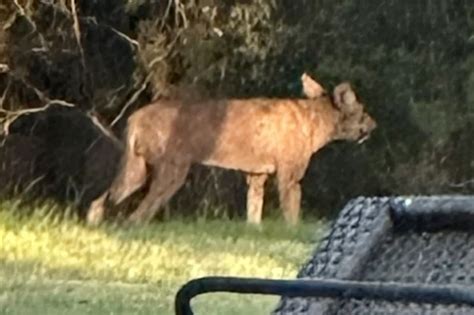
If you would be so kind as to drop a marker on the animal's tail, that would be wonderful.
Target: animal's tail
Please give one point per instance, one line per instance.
(132, 168)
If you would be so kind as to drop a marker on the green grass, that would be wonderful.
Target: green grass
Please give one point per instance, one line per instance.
(50, 265)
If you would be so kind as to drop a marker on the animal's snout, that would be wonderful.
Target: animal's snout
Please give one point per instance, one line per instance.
(367, 126)
(370, 122)
(373, 124)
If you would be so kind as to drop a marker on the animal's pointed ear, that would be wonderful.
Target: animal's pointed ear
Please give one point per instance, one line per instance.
(345, 98)
(311, 88)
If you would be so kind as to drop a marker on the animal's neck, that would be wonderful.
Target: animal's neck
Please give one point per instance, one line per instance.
(326, 120)
(337, 132)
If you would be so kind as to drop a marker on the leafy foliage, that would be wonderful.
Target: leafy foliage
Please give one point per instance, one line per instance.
(411, 64)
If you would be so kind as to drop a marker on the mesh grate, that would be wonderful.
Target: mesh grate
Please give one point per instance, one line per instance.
(414, 240)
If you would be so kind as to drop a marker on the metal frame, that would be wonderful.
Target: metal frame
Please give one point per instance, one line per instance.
(339, 289)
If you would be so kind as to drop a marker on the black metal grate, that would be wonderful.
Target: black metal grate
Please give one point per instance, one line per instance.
(420, 240)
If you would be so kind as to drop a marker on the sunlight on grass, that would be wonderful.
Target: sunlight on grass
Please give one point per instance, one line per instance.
(146, 264)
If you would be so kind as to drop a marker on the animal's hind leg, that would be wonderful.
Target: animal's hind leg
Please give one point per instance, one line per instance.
(167, 179)
(96, 211)
(255, 194)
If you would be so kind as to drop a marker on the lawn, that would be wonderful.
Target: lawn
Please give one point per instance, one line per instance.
(52, 265)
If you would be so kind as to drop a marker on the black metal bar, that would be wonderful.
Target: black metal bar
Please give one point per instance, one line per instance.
(434, 213)
(389, 291)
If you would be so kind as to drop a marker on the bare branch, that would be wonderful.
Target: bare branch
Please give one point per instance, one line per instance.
(91, 20)
(180, 12)
(104, 130)
(33, 183)
(156, 60)
(11, 116)
(22, 12)
(462, 184)
(162, 57)
(130, 101)
(165, 16)
(56, 101)
(20, 9)
(5, 92)
(41, 95)
(122, 35)
(77, 32)
(112, 96)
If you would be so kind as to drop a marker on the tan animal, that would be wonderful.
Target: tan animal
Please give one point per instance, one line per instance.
(258, 136)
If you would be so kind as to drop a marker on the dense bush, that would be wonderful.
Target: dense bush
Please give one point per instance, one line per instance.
(410, 62)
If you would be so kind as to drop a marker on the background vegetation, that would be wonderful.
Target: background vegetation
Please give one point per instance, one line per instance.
(411, 63)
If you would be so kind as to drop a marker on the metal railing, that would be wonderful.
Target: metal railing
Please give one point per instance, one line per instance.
(339, 289)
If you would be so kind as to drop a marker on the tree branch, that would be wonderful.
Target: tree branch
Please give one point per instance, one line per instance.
(462, 184)
(130, 101)
(91, 20)
(106, 131)
(11, 116)
(5, 92)
(21, 11)
(77, 32)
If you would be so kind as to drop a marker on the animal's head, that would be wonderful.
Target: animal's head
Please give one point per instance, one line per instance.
(354, 123)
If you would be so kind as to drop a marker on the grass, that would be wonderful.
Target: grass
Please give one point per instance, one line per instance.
(50, 265)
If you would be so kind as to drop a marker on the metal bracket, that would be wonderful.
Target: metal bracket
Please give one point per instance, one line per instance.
(339, 289)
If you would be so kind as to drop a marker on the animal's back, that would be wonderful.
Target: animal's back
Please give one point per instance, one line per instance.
(244, 134)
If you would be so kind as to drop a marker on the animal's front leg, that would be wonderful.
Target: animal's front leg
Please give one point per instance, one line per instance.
(167, 179)
(290, 200)
(289, 190)
(255, 194)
